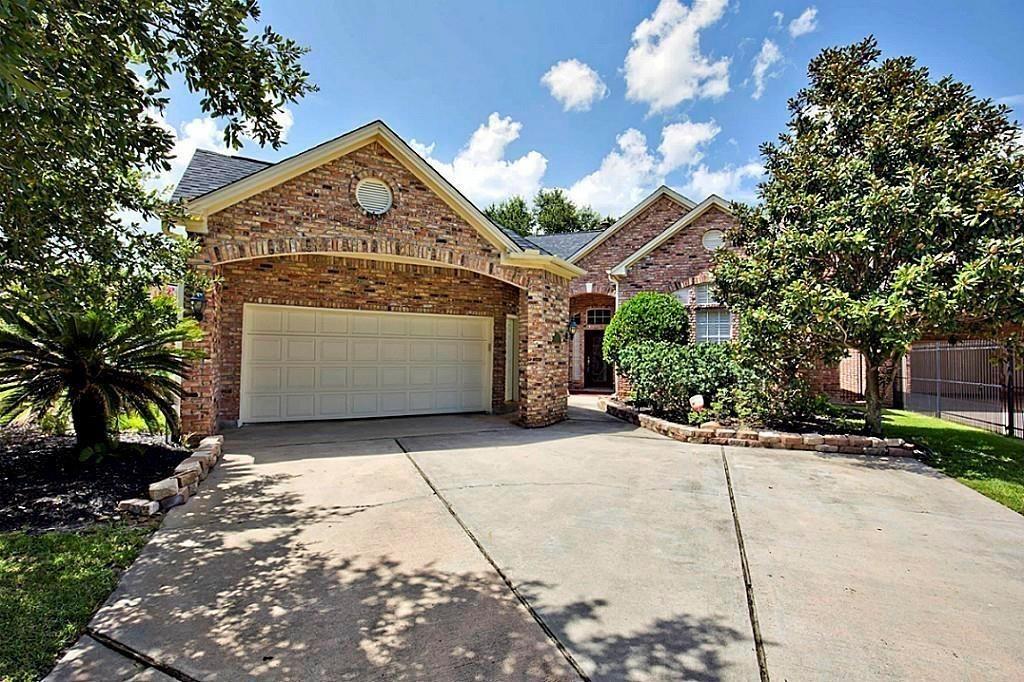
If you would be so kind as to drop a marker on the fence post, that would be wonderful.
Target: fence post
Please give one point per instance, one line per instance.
(938, 381)
(1011, 427)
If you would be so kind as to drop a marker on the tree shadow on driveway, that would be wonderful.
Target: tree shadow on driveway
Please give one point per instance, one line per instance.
(251, 582)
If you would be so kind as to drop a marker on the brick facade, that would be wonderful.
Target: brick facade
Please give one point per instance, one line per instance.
(307, 242)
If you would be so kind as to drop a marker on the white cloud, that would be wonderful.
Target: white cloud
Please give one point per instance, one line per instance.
(805, 23)
(1012, 101)
(481, 170)
(766, 58)
(574, 84)
(734, 184)
(632, 170)
(665, 65)
(626, 175)
(779, 16)
(681, 143)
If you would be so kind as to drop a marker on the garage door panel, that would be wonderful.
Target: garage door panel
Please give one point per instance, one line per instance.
(333, 377)
(366, 350)
(332, 322)
(300, 322)
(266, 348)
(300, 349)
(304, 363)
(333, 350)
(300, 378)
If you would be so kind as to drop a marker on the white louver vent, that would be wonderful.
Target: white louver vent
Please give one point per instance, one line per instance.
(374, 196)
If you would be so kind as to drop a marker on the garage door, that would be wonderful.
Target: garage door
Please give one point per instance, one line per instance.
(308, 363)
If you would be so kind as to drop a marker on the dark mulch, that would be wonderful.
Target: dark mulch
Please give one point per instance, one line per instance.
(43, 484)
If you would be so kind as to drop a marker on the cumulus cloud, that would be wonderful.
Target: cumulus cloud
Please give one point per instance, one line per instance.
(632, 169)
(480, 168)
(779, 16)
(574, 84)
(681, 143)
(734, 184)
(765, 60)
(805, 23)
(665, 65)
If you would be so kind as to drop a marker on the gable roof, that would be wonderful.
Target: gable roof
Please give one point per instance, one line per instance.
(207, 171)
(663, 191)
(713, 201)
(563, 245)
(241, 188)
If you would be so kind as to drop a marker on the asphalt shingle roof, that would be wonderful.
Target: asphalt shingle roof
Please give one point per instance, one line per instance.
(208, 171)
(563, 245)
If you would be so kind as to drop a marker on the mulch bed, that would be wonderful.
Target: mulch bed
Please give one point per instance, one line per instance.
(43, 485)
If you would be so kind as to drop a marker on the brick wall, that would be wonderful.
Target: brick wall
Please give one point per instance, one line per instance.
(647, 225)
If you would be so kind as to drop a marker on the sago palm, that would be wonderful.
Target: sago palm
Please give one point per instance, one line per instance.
(93, 366)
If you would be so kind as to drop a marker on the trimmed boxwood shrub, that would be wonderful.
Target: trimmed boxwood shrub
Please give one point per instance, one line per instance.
(647, 317)
(664, 375)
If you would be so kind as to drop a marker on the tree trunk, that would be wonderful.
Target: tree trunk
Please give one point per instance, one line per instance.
(89, 418)
(872, 398)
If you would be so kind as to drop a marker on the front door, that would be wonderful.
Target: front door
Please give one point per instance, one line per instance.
(596, 372)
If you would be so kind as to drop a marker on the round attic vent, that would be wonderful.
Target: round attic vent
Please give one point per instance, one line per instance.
(713, 240)
(374, 196)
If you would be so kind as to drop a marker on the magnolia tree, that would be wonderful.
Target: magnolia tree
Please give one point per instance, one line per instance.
(893, 208)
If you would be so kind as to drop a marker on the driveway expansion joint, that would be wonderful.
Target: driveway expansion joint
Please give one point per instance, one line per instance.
(762, 661)
(138, 656)
(562, 649)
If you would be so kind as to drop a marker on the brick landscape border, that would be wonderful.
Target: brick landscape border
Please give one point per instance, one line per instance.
(177, 488)
(715, 434)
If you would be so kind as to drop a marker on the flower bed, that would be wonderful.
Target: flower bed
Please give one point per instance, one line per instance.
(715, 434)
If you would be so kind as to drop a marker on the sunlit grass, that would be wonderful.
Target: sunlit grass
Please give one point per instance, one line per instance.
(991, 464)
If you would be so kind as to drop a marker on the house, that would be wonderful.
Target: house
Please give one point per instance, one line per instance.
(352, 280)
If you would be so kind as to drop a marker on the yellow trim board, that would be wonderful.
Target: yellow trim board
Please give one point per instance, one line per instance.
(535, 259)
(712, 201)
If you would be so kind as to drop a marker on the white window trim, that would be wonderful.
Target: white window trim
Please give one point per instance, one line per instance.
(708, 324)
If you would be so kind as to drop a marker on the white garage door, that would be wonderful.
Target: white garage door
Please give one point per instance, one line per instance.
(310, 363)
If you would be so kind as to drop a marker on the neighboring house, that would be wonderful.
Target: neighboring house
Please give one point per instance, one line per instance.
(353, 280)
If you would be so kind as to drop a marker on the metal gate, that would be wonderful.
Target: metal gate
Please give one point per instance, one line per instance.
(974, 382)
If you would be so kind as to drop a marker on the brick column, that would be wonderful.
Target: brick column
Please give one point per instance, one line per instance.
(201, 386)
(543, 357)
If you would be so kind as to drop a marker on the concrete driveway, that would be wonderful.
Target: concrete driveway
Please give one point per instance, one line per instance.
(463, 548)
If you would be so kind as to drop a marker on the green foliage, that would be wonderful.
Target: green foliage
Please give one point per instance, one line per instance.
(513, 213)
(664, 375)
(94, 366)
(50, 585)
(82, 85)
(648, 316)
(555, 213)
(892, 209)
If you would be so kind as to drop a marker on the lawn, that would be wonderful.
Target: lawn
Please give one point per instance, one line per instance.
(50, 585)
(991, 464)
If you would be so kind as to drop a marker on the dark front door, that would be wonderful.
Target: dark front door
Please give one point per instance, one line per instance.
(596, 372)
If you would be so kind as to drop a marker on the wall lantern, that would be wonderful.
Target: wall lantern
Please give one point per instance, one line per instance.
(574, 322)
(197, 304)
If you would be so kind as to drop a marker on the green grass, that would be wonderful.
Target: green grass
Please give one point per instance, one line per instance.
(991, 464)
(50, 585)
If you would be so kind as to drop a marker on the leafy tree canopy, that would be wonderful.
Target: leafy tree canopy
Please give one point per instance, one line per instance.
(555, 213)
(513, 213)
(82, 87)
(892, 209)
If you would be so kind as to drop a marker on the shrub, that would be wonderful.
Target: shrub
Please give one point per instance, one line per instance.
(647, 317)
(665, 375)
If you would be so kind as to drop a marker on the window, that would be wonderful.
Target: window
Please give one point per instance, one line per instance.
(599, 316)
(704, 295)
(714, 325)
(713, 240)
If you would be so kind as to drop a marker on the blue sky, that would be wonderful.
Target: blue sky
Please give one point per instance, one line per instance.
(639, 93)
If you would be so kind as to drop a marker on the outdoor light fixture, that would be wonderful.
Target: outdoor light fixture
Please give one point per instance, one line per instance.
(197, 303)
(574, 322)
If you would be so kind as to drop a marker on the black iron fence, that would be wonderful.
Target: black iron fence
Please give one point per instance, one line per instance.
(974, 382)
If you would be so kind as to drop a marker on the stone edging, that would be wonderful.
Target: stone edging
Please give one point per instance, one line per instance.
(716, 434)
(182, 484)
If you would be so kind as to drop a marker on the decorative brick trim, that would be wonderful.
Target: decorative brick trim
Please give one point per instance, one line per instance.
(713, 433)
